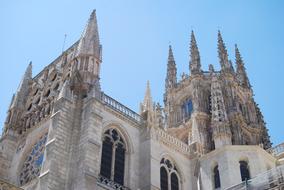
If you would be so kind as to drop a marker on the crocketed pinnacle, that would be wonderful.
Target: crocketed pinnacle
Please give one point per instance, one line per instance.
(195, 66)
(223, 54)
(171, 78)
(241, 70)
(148, 103)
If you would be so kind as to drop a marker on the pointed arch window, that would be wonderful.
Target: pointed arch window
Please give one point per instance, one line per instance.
(244, 169)
(169, 177)
(187, 109)
(113, 157)
(32, 164)
(216, 175)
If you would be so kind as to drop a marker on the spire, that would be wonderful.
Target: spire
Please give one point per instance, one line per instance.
(241, 70)
(195, 66)
(223, 54)
(23, 88)
(89, 43)
(171, 78)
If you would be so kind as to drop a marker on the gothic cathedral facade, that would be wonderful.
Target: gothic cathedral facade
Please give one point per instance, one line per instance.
(63, 132)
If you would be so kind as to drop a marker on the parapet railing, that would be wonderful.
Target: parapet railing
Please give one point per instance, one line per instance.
(277, 150)
(5, 185)
(112, 103)
(174, 142)
(103, 181)
(271, 179)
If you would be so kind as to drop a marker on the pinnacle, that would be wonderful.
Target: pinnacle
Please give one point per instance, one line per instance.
(171, 55)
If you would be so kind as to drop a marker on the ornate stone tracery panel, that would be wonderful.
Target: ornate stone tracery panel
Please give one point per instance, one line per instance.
(33, 161)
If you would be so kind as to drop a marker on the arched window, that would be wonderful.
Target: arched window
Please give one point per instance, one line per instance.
(113, 157)
(163, 178)
(32, 164)
(169, 179)
(187, 108)
(244, 169)
(217, 182)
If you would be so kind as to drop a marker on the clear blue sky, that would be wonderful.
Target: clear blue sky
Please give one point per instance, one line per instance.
(135, 36)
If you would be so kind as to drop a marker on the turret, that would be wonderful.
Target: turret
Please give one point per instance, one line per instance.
(220, 125)
(194, 65)
(19, 99)
(87, 59)
(226, 66)
(241, 70)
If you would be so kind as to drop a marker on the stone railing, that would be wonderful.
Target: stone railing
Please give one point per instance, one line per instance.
(7, 186)
(277, 151)
(271, 179)
(102, 181)
(112, 103)
(174, 142)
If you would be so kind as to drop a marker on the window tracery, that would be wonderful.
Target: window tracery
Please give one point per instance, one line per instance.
(32, 164)
(113, 157)
(169, 177)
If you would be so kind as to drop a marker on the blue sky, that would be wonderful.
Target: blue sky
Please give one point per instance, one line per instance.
(135, 36)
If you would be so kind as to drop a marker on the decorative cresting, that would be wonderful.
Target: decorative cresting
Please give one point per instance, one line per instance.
(169, 177)
(112, 160)
(32, 164)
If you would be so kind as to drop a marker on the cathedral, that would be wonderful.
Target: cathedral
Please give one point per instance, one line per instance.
(62, 132)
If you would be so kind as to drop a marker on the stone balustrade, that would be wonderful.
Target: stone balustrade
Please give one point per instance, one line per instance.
(271, 179)
(174, 142)
(7, 186)
(112, 103)
(102, 181)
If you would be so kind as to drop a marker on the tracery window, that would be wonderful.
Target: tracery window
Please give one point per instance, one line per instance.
(244, 169)
(113, 157)
(32, 164)
(187, 108)
(216, 175)
(169, 178)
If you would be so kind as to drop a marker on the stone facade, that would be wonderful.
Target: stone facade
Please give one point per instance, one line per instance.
(63, 132)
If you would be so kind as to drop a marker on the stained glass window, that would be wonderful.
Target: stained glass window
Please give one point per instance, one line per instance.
(32, 164)
(113, 157)
(169, 179)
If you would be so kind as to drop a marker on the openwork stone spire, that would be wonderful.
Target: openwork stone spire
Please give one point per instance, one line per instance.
(221, 129)
(223, 54)
(241, 70)
(90, 43)
(195, 66)
(171, 78)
